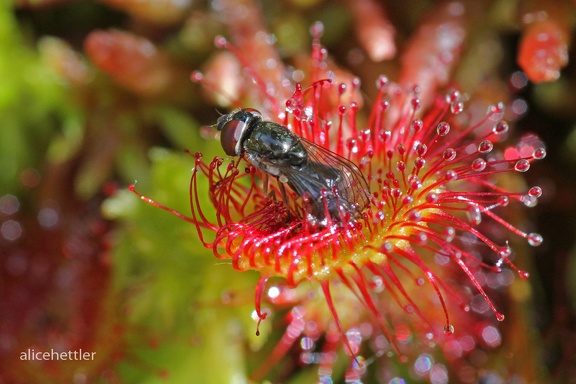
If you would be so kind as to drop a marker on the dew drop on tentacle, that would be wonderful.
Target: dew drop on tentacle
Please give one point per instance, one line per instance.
(419, 163)
(420, 148)
(295, 104)
(450, 175)
(383, 106)
(474, 214)
(456, 107)
(220, 41)
(496, 109)
(522, 165)
(453, 96)
(503, 201)
(449, 154)
(529, 201)
(421, 238)
(505, 251)
(523, 274)
(539, 153)
(355, 83)
(401, 166)
(535, 191)
(407, 200)
(478, 165)
(196, 76)
(317, 30)
(485, 146)
(432, 198)
(500, 128)
(443, 128)
(449, 234)
(414, 183)
(354, 339)
(534, 239)
(381, 82)
(401, 149)
(416, 125)
(415, 216)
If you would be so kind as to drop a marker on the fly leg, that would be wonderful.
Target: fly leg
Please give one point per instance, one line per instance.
(265, 183)
(284, 195)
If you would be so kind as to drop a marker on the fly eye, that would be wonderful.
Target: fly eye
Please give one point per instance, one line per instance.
(230, 136)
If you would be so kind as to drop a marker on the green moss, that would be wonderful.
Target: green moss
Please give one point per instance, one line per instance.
(174, 286)
(34, 105)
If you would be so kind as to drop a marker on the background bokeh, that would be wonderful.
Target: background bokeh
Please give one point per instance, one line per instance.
(97, 94)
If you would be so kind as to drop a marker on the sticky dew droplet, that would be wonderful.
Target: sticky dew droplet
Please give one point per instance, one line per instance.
(421, 149)
(317, 29)
(474, 215)
(457, 107)
(220, 41)
(505, 251)
(478, 165)
(522, 165)
(539, 153)
(381, 82)
(485, 146)
(449, 234)
(453, 96)
(196, 76)
(500, 128)
(450, 175)
(523, 274)
(431, 198)
(496, 108)
(449, 154)
(534, 239)
(535, 192)
(417, 126)
(443, 128)
(529, 201)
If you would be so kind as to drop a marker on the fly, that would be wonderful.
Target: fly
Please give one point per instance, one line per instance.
(332, 188)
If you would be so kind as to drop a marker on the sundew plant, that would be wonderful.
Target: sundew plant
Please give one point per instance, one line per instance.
(435, 176)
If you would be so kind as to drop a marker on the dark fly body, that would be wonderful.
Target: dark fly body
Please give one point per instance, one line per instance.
(330, 185)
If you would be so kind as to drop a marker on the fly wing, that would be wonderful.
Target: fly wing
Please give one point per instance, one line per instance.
(339, 172)
(305, 181)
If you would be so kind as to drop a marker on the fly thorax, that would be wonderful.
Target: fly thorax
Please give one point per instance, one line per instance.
(297, 155)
